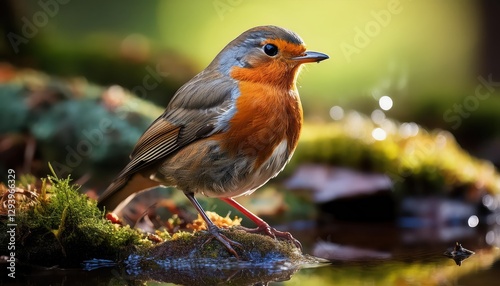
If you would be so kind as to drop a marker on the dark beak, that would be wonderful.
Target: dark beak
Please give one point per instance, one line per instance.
(310, 57)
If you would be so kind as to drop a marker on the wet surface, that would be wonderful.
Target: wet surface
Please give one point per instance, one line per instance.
(360, 254)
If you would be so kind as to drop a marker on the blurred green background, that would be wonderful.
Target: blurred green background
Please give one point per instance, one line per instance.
(426, 55)
(437, 61)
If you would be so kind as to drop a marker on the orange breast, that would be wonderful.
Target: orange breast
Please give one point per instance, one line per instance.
(266, 115)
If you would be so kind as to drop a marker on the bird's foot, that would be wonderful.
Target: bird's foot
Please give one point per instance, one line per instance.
(266, 229)
(228, 243)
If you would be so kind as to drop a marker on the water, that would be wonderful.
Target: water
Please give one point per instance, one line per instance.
(360, 254)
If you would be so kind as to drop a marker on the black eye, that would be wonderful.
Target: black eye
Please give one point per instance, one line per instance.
(270, 50)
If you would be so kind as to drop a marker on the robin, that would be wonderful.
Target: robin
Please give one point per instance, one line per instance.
(227, 131)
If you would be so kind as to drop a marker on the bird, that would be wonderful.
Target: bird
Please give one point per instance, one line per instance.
(227, 131)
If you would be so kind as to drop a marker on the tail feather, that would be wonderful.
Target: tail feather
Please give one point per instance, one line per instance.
(120, 192)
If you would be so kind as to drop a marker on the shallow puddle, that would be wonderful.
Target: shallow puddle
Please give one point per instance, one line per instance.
(359, 254)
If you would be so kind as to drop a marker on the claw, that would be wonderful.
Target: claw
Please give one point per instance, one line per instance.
(228, 243)
(213, 229)
(262, 226)
(274, 233)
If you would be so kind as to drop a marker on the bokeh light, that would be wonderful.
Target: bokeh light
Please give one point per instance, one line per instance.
(378, 116)
(379, 134)
(336, 112)
(385, 102)
(473, 221)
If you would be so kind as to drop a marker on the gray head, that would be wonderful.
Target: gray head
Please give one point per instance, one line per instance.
(265, 48)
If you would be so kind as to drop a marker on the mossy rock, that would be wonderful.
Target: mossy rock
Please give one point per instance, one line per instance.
(57, 226)
(191, 260)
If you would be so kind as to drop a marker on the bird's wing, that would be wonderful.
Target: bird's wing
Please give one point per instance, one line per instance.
(192, 114)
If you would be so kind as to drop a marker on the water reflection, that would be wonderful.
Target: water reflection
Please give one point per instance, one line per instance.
(335, 252)
(387, 254)
(360, 254)
(217, 275)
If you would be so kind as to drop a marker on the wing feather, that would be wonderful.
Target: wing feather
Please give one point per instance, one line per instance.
(193, 113)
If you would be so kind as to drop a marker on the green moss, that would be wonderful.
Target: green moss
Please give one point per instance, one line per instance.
(197, 259)
(254, 247)
(63, 227)
(428, 161)
(59, 226)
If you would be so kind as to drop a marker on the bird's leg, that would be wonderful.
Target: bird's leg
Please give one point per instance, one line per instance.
(262, 226)
(212, 228)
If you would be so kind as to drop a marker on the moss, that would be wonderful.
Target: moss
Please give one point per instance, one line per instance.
(59, 226)
(422, 161)
(190, 259)
(62, 227)
(201, 245)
